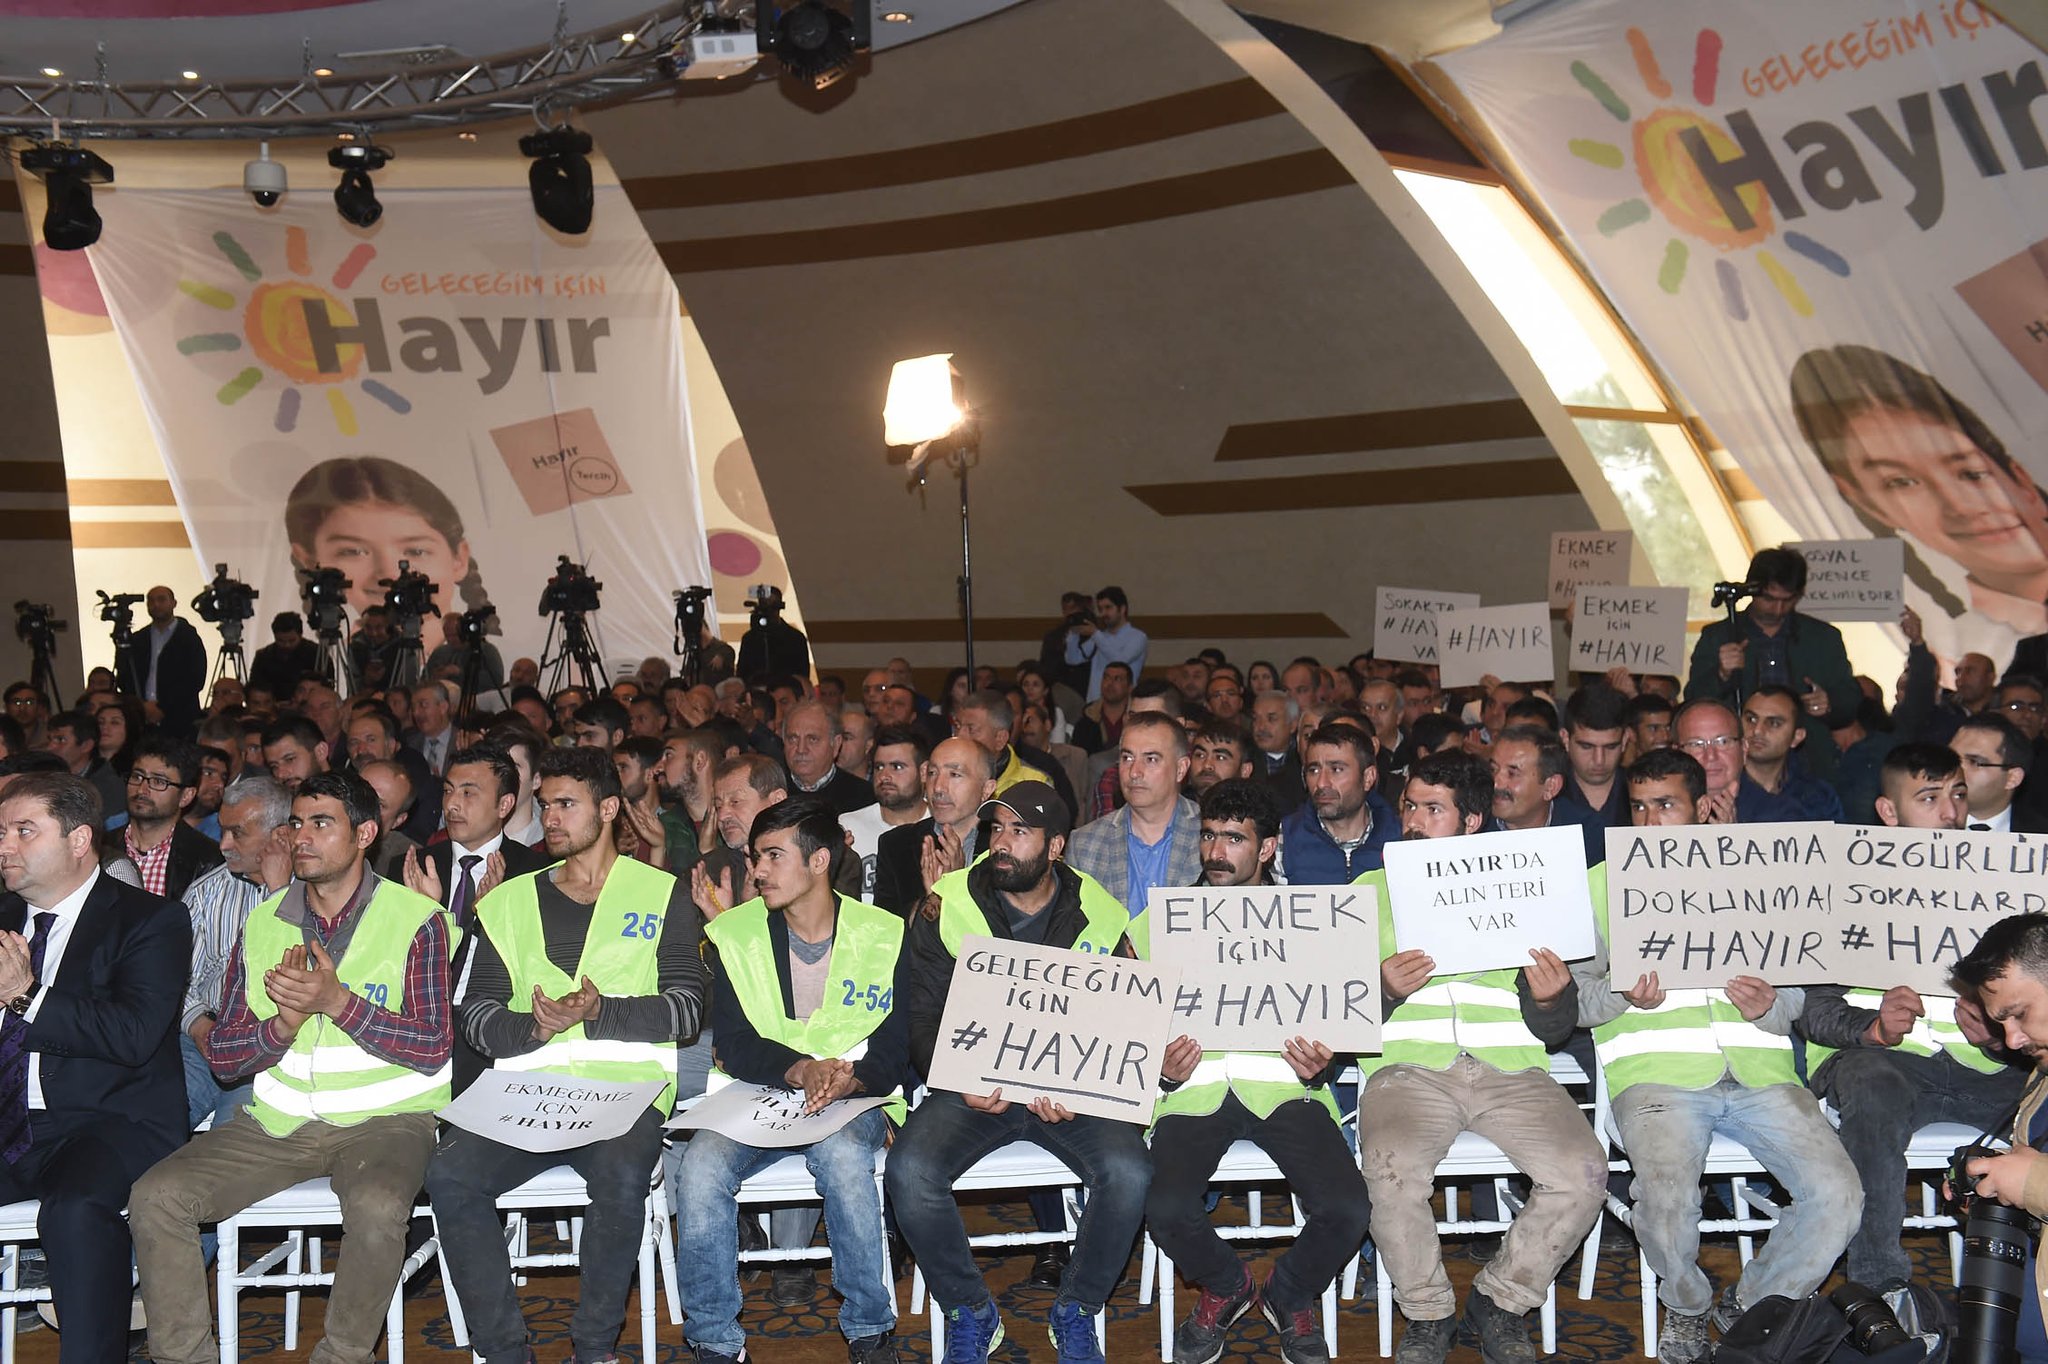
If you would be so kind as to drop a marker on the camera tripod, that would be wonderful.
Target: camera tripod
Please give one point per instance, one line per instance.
(127, 676)
(577, 664)
(332, 660)
(407, 663)
(230, 662)
(42, 670)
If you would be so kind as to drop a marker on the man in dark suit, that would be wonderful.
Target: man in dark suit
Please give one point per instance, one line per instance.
(908, 859)
(170, 662)
(92, 1093)
(162, 785)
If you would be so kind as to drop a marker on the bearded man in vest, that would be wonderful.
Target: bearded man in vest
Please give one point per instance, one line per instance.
(1893, 1061)
(1280, 1100)
(1470, 1052)
(336, 998)
(808, 987)
(1021, 891)
(1683, 1064)
(588, 968)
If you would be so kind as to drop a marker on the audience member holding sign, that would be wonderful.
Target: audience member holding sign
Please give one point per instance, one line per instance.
(808, 987)
(587, 968)
(1683, 1065)
(1463, 1053)
(1892, 1061)
(1239, 1096)
(1021, 891)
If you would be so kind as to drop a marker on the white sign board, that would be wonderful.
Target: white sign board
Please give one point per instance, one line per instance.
(1485, 900)
(540, 1110)
(769, 1115)
(1854, 579)
(1580, 558)
(1638, 628)
(1806, 904)
(1404, 622)
(1260, 965)
(1087, 1031)
(1511, 643)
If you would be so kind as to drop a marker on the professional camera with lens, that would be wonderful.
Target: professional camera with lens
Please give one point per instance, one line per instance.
(225, 599)
(118, 609)
(765, 606)
(36, 624)
(324, 592)
(1994, 1280)
(472, 625)
(1079, 619)
(571, 590)
(409, 595)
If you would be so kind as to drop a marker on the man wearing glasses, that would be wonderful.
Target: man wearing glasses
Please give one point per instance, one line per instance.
(1771, 642)
(167, 851)
(1709, 733)
(1996, 761)
(27, 708)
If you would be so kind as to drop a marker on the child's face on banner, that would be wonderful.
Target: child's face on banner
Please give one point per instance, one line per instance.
(366, 540)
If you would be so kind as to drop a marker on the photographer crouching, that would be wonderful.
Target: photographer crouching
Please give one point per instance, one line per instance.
(2003, 1191)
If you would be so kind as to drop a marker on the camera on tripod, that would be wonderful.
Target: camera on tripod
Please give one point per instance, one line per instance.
(119, 609)
(1994, 1279)
(690, 610)
(765, 606)
(571, 591)
(324, 592)
(410, 595)
(225, 599)
(472, 625)
(36, 625)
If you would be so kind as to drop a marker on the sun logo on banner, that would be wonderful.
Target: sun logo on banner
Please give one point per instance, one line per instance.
(273, 328)
(1674, 188)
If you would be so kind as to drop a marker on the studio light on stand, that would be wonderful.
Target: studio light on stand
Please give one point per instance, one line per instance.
(927, 411)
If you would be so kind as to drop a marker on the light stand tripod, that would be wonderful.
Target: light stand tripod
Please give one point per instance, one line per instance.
(577, 663)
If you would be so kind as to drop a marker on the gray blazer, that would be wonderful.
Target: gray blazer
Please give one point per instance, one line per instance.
(1100, 850)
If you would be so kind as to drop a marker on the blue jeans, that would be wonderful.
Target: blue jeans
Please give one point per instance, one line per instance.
(843, 1164)
(1666, 1131)
(789, 1228)
(945, 1137)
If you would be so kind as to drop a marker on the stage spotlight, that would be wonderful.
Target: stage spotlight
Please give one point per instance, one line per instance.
(814, 41)
(560, 178)
(70, 223)
(354, 198)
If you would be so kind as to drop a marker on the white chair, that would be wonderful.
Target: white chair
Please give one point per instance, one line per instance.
(1929, 1152)
(562, 1188)
(17, 1229)
(304, 1205)
(788, 1181)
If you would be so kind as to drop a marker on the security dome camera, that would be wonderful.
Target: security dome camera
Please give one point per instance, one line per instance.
(264, 179)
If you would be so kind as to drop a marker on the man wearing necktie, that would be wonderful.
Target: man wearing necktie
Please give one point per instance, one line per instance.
(92, 1090)
(433, 725)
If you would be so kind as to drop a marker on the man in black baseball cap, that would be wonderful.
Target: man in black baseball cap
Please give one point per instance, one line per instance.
(1022, 891)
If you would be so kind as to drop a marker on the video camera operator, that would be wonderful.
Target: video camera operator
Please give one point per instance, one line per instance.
(771, 645)
(170, 665)
(2000, 1304)
(289, 656)
(1770, 641)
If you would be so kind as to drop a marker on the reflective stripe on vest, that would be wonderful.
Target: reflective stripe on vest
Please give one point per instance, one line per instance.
(1690, 1041)
(1932, 1034)
(961, 918)
(621, 955)
(324, 1076)
(860, 982)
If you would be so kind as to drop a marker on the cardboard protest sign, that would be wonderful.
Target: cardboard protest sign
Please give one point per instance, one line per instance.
(1911, 903)
(1484, 900)
(1262, 964)
(1404, 622)
(1579, 558)
(1511, 643)
(1638, 628)
(540, 1110)
(1854, 579)
(769, 1115)
(1084, 1030)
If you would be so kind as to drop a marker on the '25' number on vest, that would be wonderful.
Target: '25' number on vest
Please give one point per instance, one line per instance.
(646, 926)
(875, 997)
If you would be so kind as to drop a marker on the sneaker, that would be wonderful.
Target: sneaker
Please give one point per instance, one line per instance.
(1200, 1338)
(1300, 1329)
(793, 1285)
(1503, 1335)
(1682, 1339)
(972, 1333)
(1073, 1333)
(1426, 1342)
(872, 1350)
(1049, 1268)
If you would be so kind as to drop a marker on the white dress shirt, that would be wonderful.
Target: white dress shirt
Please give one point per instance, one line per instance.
(67, 911)
(2000, 823)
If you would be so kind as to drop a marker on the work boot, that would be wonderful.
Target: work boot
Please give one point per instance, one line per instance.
(1503, 1335)
(1683, 1338)
(879, 1349)
(1426, 1342)
(1200, 1338)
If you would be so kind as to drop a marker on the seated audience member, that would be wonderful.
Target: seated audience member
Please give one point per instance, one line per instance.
(987, 718)
(1154, 839)
(910, 860)
(1709, 733)
(1435, 732)
(167, 852)
(1996, 759)
(564, 979)
(1225, 693)
(1278, 1100)
(1470, 1052)
(351, 1097)
(477, 796)
(2021, 699)
(290, 656)
(216, 770)
(1276, 759)
(1861, 742)
(373, 735)
(1102, 720)
(1686, 1063)
(1379, 701)
(600, 724)
(1647, 718)
(1220, 751)
(1338, 834)
(898, 766)
(1530, 710)
(782, 1020)
(74, 736)
(394, 801)
(1595, 735)
(1023, 891)
(293, 750)
(810, 742)
(91, 1089)
(1529, 770)
(1892, 1061)
(1772, 739)
(856, 752)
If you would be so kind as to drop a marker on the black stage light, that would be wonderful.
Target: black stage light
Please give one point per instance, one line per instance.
(70, 222)
(354, 198)
(560, 178)
(814, 41)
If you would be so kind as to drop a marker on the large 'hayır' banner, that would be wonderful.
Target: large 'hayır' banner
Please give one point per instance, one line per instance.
(1829, 221)
(458, 387)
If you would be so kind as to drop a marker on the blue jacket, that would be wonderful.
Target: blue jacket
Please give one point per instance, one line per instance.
(1591, 824)
(1310, 857)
